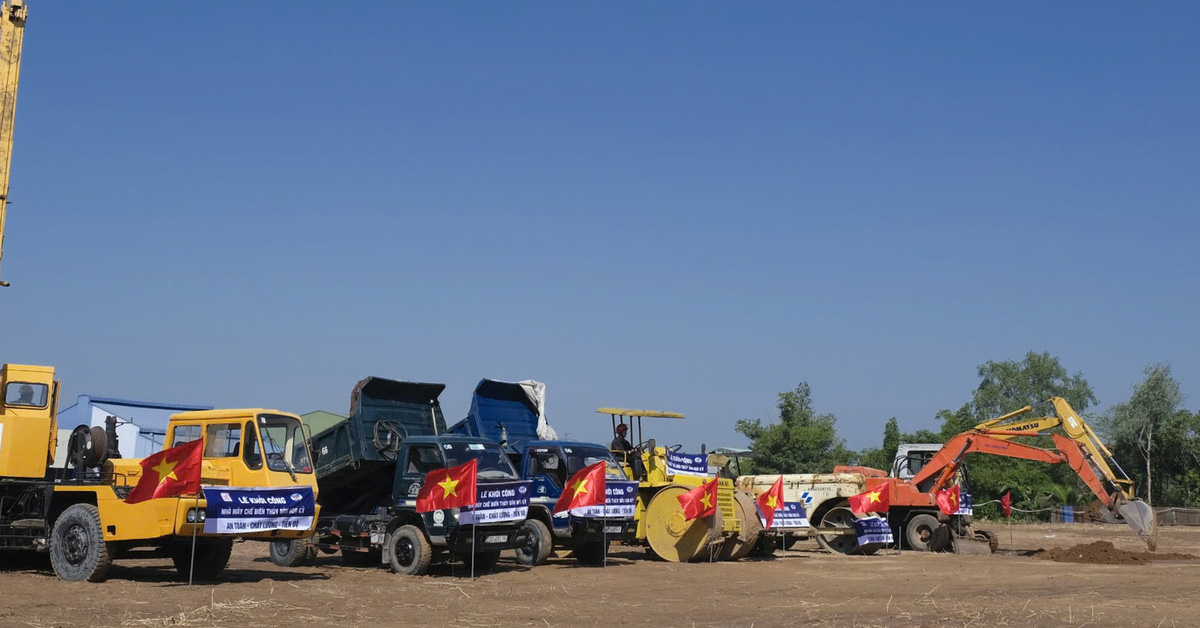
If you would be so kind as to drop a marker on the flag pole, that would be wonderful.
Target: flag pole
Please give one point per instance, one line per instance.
(195, 524)
(473, 526)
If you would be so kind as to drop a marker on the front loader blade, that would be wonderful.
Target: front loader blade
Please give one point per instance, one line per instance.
(970, 545)
(1139, 516)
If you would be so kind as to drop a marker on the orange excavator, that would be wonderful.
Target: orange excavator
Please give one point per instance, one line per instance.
(914, 515)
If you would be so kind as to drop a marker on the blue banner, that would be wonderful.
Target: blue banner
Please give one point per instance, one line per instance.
(496, 502)
(241, 510)
(965, 504)
(619, 501)
(792, 515)
(872, 530)
(687, 464)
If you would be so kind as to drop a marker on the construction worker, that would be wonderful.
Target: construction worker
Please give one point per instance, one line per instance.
(621, 445)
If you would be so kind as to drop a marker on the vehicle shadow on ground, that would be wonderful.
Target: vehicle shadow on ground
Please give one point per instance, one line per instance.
(167, 575)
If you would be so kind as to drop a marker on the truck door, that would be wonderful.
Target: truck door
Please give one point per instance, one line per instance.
(27, 427)
(416, 461)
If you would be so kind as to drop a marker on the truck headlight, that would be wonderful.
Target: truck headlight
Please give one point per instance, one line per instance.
(454, 513)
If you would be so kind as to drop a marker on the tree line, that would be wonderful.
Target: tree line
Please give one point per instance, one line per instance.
(1152, 436)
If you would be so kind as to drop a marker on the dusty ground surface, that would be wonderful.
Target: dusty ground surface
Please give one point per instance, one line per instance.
(1011, 588)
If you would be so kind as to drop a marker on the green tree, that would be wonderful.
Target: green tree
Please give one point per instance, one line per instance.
(801, 442)
(1153, 428)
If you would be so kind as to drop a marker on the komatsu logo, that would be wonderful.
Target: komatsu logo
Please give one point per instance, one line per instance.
(1023, 427)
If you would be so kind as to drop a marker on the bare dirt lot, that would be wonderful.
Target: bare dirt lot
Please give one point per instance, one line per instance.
(1014, 587)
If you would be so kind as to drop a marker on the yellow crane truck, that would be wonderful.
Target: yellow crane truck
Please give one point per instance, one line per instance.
(77, 513)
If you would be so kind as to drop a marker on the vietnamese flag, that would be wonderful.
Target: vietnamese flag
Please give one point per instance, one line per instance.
(947, 500)
(448, 488)
(1006, 504)
(700, 501)
(871, 501)
(171, 472)
(585, 488)
(771, 501)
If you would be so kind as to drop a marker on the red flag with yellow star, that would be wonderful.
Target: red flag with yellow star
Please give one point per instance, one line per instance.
(171, 472)
(771, 501)
(700, 501)
(585, 488)
(947, 500)
(448, 488)
(875, 500)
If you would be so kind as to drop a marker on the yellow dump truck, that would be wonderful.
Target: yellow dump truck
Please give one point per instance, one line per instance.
(730, 535)
(78, 514)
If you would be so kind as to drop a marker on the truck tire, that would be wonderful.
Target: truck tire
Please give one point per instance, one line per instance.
(591, 553)
(77, 548)
(211, 557)
(292, 553)
(537, 546)
(410, 552)
(924, 533)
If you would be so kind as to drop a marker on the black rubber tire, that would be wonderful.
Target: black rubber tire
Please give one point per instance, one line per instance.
(590, 553)
(924, 533)
(290, 553)
(410, 551)
(77, 548)
(212, 555)
(537, 546)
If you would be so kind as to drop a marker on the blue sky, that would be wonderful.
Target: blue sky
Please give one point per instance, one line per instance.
(683, 206)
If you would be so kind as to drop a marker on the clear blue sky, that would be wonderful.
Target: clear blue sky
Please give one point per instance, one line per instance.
(683, 206)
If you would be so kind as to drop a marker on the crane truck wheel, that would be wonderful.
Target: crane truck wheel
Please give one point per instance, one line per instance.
(591, 553)
(672, 537)
(211, 556)
(924, 533)
(740, 546)
(841, 540)
(291, 553)
(410, 552)
(77, 548)
(538, 543)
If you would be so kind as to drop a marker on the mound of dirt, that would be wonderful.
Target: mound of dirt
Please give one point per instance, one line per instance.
(1104, 553)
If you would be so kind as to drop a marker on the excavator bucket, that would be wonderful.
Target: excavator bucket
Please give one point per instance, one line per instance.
(1139, 516)
(979, 542)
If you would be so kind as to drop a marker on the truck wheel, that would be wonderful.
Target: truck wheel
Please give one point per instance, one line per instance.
(538, 543)
(291, 553)
(924, 533)
(77, 548)
(211, 557)
(410, 551)
(591, 553)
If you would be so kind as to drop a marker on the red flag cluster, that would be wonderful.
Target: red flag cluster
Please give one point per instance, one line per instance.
(947, 500)
(876, 500)
(586, 488)
(770, 501)
(700, 501)
(448, 488)
(171, 472)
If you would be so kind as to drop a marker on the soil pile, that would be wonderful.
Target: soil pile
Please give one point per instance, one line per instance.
(1104, 553)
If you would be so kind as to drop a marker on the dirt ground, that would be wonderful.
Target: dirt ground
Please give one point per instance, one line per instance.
(1014, 587)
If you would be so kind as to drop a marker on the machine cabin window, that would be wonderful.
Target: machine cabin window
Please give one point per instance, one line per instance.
(185, 434)
(26, 394)
(223, 440)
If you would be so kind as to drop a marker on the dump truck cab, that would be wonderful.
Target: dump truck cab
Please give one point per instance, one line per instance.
(371, 468)
(513, 414)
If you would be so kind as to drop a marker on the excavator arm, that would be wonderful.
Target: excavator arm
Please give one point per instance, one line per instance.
(1076, 454)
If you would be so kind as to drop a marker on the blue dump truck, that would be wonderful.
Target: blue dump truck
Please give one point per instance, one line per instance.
(370, 469)
(513, 415)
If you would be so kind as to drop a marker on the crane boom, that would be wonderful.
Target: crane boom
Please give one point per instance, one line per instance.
(12, 36)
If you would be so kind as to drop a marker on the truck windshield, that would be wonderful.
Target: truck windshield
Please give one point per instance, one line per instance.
(493, 463)
(284, 444)
(580, 457)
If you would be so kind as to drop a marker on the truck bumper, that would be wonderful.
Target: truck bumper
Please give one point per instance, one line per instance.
(485, 538)
(590, 529)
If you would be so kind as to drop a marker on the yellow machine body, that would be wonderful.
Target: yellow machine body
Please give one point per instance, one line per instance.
(28, 431)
